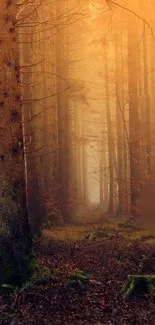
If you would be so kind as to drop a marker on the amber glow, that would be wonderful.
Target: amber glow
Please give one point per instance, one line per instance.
(91, 83)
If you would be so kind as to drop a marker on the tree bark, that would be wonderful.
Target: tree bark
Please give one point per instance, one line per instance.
(119, 128)
(134, 123)
(62, 108)
(109, 132)
(15, 238)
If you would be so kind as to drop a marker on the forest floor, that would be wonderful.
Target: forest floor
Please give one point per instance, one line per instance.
(117, 249)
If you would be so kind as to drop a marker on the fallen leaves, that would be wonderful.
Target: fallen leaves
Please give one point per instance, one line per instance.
(99, 302)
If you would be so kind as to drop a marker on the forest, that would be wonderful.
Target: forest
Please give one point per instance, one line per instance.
(77, 162)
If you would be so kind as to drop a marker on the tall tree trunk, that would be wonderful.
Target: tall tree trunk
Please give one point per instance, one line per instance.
(152, 118)
(147, 108)
(125, 147)
(62, 107)
(141, 105)
(84, 161)
(109, 131)
(134, 132)
(15, 238)
(50, 127)
(102, 153)
(119, 126)
(35, 211)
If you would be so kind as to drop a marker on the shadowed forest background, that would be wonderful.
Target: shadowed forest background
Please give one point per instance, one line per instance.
(77, 161)
(87, 81)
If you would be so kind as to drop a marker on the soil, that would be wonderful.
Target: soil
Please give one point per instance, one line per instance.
(108, 261)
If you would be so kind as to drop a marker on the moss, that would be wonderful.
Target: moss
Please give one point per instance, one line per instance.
(7, 288)
(103, 234)
(134, 235)
(80, 275)
(99, 234)
(9, 209)
(16, 268)
(78, 279)
(150, 241)
(138, 285)
(9, 269)
(91, 236)
(32, 263)
(73, 233)
(127, 225)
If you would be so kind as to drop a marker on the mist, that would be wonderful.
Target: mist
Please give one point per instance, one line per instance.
(86, 75)
(77, 162)
(87, 81)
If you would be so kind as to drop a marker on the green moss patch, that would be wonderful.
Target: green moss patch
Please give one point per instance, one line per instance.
(15, 267)
(7, 288)
(150, 242)
(74, 233)
(138, 285)
(78, 280)
(91, 236)
(95, 235)
(127, 225)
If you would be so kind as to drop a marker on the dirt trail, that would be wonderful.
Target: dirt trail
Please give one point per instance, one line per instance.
(107, 260)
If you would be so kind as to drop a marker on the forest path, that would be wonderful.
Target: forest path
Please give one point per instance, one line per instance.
(107, 259)
(108, 227)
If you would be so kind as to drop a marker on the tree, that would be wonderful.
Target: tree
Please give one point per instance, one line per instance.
(27, 82)
(119, 126)
(15, 237)
(134, 121)
(147, 106)
(62, 103)
(109, 131)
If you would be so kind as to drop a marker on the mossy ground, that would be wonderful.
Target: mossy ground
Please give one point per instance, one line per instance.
(100, 230)
(67, 296)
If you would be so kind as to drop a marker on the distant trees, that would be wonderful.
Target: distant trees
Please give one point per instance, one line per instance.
(37, 37)
(87, 107)
(130, 128)
(46, 129)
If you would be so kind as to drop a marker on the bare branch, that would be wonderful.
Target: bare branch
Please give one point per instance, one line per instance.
(133, 13)
(35, 115)
(42, 98)
(34, 150)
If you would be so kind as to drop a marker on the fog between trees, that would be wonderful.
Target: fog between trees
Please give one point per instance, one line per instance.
(86, 75)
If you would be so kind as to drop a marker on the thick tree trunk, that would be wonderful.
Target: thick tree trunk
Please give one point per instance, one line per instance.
(35, 210)
(15, 238)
